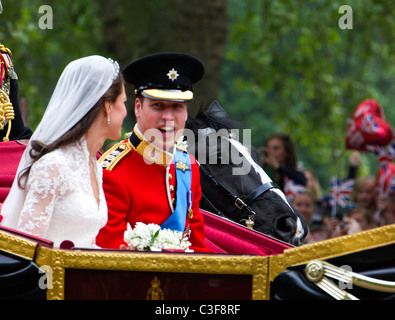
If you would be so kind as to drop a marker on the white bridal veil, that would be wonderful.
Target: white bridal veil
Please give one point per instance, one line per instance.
(82, 83)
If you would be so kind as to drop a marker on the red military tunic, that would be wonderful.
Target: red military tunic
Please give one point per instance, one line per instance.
(138, 190)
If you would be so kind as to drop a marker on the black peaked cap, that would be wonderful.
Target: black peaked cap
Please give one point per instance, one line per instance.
(174, 71)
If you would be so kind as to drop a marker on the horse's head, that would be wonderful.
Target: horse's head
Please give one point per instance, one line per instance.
(233, 181)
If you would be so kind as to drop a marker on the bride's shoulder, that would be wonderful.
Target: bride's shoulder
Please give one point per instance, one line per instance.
(63, 159)
(53, 159)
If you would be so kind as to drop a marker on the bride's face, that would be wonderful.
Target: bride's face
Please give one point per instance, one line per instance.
(117, 115)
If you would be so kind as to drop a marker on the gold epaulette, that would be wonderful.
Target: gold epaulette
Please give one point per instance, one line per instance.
(112, 156)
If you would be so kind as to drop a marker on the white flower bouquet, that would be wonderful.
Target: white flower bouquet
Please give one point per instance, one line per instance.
(150, 237)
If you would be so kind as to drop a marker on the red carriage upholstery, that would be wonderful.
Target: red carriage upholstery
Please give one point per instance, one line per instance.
(10, 155)
(225, 236)
(38, 240)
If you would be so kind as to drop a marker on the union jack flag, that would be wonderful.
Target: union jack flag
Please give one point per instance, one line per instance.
(384, 154)
(369, 125)
(340, 192)
(291, 188)
(386, 179)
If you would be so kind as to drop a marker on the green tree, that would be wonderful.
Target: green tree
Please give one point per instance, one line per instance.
(40, 54)
(123, 30)
(294, 70)
(137, 28)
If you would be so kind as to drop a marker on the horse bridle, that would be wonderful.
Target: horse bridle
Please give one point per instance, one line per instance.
(241, 203)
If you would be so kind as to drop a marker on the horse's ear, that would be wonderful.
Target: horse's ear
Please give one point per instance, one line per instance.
(216, 110)
(191, 124)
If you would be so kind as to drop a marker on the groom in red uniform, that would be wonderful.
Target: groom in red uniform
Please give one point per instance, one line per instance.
(150, 178)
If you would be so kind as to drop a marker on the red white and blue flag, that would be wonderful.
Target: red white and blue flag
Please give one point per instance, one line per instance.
(291, 189)
(340, 192)
(384, 154)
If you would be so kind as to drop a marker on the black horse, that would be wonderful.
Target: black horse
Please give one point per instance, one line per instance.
(233, 182)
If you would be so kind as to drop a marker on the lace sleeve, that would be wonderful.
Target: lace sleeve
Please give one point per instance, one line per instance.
(43, 188)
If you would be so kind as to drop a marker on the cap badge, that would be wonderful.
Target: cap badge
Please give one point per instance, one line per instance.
(173, 75)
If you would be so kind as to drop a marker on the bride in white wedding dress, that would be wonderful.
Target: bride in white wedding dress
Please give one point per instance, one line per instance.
(57, 193)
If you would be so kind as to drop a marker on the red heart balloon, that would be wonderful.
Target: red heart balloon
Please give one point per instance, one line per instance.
(368, 127)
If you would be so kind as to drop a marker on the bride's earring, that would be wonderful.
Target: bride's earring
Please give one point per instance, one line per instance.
(108, 119)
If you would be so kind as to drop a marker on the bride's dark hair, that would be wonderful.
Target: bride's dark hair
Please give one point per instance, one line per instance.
(39, 149)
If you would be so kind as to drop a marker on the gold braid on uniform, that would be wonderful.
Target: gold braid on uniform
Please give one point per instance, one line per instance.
(4, 49)
(113, 155)
(6, 109)
(6, 113)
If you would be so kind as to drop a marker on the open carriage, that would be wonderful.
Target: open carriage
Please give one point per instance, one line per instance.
(247, 265)
(259, 268)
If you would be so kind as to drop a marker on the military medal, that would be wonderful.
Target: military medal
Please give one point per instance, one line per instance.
(182, 166)
(190, 211)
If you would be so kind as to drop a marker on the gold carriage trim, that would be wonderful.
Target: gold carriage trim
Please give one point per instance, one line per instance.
(112, 156)
(17, 245)
(330, 248)
(318, 272)
(262, 269)
(62, 260)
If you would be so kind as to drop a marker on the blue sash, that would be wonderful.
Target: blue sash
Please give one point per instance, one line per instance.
(182, 164)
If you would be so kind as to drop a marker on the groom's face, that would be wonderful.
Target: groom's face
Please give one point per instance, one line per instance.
(162, 122)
